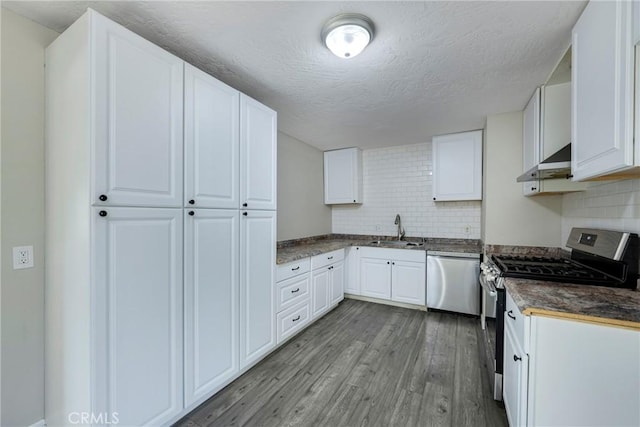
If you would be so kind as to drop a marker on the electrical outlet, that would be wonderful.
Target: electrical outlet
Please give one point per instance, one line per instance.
(467, 229)
(22, 257)
(378, 227)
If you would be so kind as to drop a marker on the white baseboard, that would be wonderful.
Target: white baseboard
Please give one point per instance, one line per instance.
(40, 423)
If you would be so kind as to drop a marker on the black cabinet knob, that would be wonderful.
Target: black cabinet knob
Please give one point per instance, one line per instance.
(516, 358)
(192, 202)
(245, 205)
(192, 213)
(102, 213)
(387, 262)
(103, 198)
(354, 201)
(244, 213)
(434, 198)
(533, 188)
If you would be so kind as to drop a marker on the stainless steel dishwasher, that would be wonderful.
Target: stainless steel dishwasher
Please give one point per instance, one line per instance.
(452, 282)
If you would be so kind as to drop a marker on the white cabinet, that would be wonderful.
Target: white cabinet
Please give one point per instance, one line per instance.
(352, 270)
(343, 176)
(293, 291)
(393, 274)
(515, 381)
(531, 133)
(257, 280)
(327, 282)
(211, 303)
(375, 277)
(602, 90)
(258, 151)
(134, 313)
(212, 141)
(135, 104)
(114, 300)
(560, 372)
(457, 166)
(408, 282)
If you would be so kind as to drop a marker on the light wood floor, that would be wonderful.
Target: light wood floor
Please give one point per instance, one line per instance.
(365, 364)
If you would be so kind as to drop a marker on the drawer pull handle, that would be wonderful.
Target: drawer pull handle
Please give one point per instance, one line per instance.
(329, 257)
(510, 314)
(330, 268)
(297, 268)
(296, 319)
(295, 290)
(516, 358)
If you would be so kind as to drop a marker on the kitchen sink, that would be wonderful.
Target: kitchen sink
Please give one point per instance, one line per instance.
(398, 243)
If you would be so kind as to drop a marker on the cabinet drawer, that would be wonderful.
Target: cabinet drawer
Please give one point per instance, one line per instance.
(516, 320)
(290, 269)
(292, 291)
(326, 259)
(292, 320)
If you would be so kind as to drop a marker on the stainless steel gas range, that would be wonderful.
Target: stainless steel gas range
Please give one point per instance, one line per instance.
(598, 258)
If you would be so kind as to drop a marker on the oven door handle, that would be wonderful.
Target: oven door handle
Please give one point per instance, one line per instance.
(488, 286)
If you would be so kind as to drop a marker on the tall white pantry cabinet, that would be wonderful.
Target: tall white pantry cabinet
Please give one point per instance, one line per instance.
(160, 246)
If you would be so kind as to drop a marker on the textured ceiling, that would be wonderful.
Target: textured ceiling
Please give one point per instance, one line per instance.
(432, 68)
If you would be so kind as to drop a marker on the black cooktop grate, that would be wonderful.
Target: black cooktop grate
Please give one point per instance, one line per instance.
(551, 269)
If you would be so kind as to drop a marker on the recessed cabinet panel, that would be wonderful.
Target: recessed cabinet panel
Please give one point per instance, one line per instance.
(258, 149)
(320, 291)
(337, 283)
(408, 282)
(343, 176)
(257, 281)
(602, 90)
(138, 301)
(375, 278)
(137, 119)
(457, 166)
(211, 300)
(212, 141)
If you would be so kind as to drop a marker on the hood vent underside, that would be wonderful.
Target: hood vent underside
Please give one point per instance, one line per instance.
(558, 165)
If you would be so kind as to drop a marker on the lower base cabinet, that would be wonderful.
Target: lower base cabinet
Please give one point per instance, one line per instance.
(562, 372)
(393, 274)
(327, 282)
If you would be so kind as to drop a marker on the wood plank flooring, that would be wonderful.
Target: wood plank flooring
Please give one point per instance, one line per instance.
(365, 364)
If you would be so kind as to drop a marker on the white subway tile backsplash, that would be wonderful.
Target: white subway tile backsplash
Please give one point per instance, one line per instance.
(398, 180)
(613, 205)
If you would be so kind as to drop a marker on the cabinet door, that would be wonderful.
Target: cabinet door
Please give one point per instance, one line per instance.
(343, 176)
(137, 100)
(137, 311)
(337, 282)
(352, 280)
(375, 277)
(258, 148)
(212, 141)
(257, 282)
(408, 282)
(457, 166)
(211, 300)
(514, 391)
(602, 90)
(320, 279)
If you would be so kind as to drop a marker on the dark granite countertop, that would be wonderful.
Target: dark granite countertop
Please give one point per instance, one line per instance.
(596, 304)
(293, 250)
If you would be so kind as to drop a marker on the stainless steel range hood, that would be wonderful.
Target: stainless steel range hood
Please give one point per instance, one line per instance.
(558, 165)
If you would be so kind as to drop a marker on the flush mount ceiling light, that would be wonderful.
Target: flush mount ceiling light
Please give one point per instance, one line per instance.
(348, 34)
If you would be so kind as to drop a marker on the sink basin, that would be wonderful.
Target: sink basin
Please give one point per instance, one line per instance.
(399, 243)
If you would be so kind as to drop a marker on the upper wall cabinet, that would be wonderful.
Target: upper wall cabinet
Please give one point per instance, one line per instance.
(135, 91)
(602, 90)
(457, 166)
(212, 141)
(343, 176)
(258, 150)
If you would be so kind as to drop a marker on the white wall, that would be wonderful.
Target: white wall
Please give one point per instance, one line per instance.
(613, 205)
(22, 223)
(397, 180)
(301, 208)
(508, 217)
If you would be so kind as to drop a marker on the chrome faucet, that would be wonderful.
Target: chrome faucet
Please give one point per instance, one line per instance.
(400, 229)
